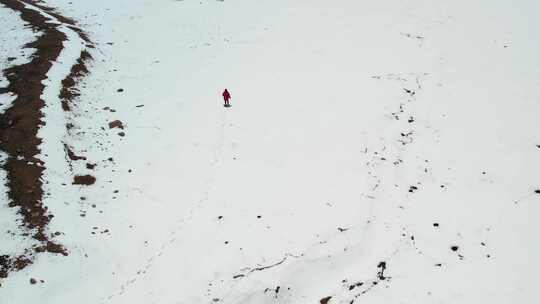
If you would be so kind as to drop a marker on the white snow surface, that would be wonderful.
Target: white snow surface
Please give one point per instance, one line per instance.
(338, 108)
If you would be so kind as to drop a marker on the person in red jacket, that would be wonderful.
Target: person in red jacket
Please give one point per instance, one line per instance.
(226, 97)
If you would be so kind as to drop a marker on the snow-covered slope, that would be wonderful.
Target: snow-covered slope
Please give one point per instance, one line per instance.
(375, 152)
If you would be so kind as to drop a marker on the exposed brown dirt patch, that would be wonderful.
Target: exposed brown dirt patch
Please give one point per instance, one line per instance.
(69, 90)
(325, 300)
(51, 247)
(67, 21)
(84, 180)
(71, 155)
(19, 126)
(116, 124)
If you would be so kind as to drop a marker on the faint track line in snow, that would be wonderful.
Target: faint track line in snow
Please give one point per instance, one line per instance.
(393, 146)
(261, 268)
(420, 38)
(379, 161)
(209, 183)
(380, 277)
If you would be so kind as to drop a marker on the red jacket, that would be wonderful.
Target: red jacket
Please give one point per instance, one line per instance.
(226, 95)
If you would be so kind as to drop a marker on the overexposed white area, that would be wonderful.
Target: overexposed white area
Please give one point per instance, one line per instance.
(360, 132)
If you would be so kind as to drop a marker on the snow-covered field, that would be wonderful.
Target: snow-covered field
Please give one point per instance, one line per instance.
(375, 152)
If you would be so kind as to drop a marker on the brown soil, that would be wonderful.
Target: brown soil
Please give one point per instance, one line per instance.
(67, 21)
(71, 155)
(69, 89)
(84, 180)
(116, 124)
(325, 300)
(19, 126)
(5, 265)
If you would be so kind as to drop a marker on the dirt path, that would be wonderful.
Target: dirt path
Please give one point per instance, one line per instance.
(20, 123)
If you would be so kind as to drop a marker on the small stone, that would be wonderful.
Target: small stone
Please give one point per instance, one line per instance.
(116, 124)
(325, 300)
(83, 180)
